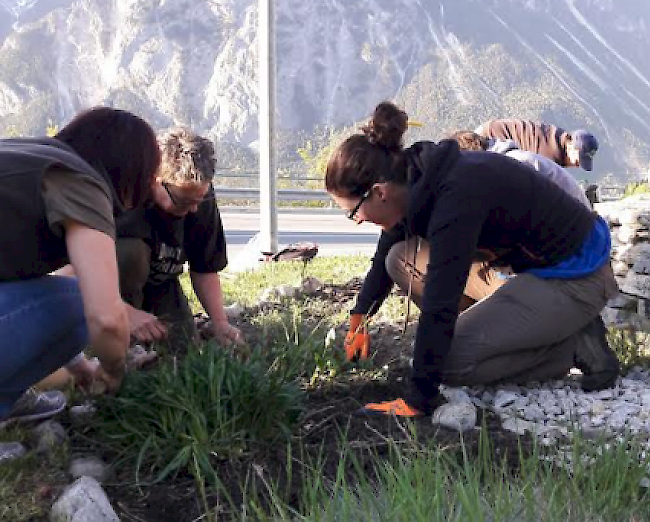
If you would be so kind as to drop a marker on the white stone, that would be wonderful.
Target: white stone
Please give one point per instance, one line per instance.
(11, 451)
(518, 426)
(504, 399)
(455, 395)
(627, 233)
(49, 435)
(83, 501)
(620, 268)
(82, 413)
(458, 416)
(311, 285)
(89, 467)
(233, 311)
(636, 284)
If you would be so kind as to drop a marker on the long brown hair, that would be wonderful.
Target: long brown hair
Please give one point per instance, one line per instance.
(118, 144)
(376, 155)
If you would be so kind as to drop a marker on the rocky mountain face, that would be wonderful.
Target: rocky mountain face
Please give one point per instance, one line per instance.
(451, 63)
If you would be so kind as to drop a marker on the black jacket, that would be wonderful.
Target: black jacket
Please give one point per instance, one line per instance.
(464, 201)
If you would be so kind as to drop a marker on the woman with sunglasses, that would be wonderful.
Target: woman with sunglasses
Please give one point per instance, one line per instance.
(59, 198)
(180, 224)
(438, 208)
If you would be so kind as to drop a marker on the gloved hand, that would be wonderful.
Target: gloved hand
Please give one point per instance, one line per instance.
(357, 342)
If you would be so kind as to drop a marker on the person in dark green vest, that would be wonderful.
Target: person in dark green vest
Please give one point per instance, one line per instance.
(59, 199)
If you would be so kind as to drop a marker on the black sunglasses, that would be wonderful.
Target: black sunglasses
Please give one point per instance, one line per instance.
(182, 204)
(353, 212)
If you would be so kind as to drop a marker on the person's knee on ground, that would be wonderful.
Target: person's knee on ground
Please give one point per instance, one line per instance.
(133, 262)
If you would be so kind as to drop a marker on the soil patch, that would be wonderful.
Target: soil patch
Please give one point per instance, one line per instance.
(325, 422)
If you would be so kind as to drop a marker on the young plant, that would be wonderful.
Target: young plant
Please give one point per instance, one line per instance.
(191, 415)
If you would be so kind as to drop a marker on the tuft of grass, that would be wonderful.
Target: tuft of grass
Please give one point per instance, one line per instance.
(628, 345)
(188, 416)
(418, 483)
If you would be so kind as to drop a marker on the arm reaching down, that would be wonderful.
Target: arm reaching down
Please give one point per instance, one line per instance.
(92, 256)
(208, 289)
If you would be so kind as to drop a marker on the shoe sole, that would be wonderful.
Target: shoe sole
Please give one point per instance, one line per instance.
(31, 418)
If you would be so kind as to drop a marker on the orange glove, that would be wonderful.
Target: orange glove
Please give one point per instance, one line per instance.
(357, 342)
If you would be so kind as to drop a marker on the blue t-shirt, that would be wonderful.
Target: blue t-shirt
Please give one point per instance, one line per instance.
(592, 255)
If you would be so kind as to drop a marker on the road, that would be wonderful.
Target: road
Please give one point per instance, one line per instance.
(328, 228)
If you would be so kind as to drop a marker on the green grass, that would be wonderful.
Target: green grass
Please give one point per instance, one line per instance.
(636, 187)
(28, 486)
(192, 413)
(246, 288)
(419, 483)
(209, 406)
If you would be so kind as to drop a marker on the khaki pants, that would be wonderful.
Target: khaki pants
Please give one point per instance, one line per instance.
(520, 329)
(166, 300)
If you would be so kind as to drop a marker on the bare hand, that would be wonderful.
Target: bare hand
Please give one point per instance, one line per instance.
(145, 327)
(226, 333)
(84, 372)
(107, 382)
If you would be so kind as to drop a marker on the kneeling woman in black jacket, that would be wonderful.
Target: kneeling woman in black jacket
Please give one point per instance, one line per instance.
(536, 301)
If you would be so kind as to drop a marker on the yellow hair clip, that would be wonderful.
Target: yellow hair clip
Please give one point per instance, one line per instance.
(413, 123)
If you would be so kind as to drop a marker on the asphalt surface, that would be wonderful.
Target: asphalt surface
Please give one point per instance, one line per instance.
(328, 228)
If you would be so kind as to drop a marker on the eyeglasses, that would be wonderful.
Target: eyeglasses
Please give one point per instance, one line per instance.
(353, 212)
(182, 203)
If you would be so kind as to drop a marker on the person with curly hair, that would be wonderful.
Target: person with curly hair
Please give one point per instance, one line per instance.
(181, 224)
(439, 207)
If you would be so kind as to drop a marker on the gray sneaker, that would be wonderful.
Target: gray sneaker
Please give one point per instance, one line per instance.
(33, 405)
(594, 357)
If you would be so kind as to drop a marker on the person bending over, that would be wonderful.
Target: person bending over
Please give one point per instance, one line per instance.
(468, 140)
(438, 206)
(180, 224)
(59, 198)
(567, 149)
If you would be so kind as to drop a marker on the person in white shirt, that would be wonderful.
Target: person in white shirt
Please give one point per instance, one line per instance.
(468, 140)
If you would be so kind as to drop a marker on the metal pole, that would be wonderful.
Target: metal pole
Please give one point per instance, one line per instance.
(268, 192)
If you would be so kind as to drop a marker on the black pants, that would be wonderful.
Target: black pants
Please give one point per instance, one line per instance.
(165, 300)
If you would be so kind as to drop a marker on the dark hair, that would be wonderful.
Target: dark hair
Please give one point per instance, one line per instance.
(120, 146)
(376, 155)
(469, 140)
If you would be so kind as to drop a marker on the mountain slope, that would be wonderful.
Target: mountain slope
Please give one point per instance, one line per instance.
(451, 63)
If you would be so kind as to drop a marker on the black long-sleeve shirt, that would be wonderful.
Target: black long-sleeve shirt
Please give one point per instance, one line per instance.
(464, 201)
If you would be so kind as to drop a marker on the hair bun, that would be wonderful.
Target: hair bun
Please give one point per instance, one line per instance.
(386, 127)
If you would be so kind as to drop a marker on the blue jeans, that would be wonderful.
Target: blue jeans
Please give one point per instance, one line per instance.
(42, 327)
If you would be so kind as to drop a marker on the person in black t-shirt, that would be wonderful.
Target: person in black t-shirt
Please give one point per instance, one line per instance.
(180, 225)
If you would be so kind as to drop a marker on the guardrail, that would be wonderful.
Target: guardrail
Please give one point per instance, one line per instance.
(283, 194)
(607, 193)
